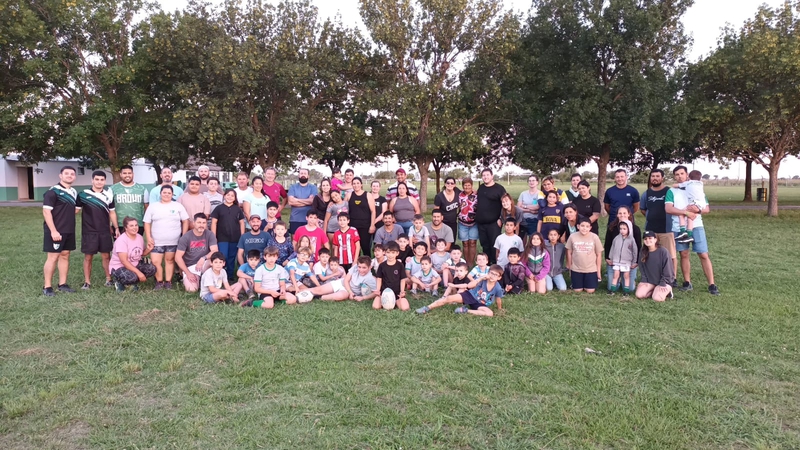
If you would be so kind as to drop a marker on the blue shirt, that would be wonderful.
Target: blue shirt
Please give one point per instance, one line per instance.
(617, 197)
(300, 270)
(301, 193)
(155, 193)
(247, 270)
(250, 241)
(486, 297)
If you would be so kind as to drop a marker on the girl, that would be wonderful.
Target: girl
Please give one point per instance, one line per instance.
(658, 274)
(622, 258)
(404, 207)
(623, 213)
(227, 224)
(281, 240)
(538, 260)
(336, 206)
(361, 208)
(556, 251)
(320, 203)
(551, 214)
(304, 242)
(467, 230)
(510, 210)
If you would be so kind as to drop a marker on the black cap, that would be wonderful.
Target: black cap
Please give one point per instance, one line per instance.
(648, 234)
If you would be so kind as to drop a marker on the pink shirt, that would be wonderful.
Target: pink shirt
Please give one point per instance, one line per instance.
(132, 247)
(195, 204)
(335, 183)
(275, 192)
(318, 238)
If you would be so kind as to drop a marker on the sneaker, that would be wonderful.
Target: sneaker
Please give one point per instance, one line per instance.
(247, 303)
(86, 286)
(461, 310)
(681, 236)
(713, 290)
(66, 289)
(135, 288)
(423, 310)
(110, 283)
(119, 286)
(435, 293)
(168, 285)
(414, 291)
(611, 293)
(159, 286)
(675, 283)
(48, 292)
(687, 286)
(670, 296)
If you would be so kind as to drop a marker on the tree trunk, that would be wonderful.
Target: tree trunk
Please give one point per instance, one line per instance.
(772, 204)
(748, 180)
(157, 168)
(602, 161)
(437, 169)
(423, 164)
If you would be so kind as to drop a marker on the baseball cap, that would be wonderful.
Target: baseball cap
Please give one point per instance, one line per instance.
(400, 170)
(648, 234)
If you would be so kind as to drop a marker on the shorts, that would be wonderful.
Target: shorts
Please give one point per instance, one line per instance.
(67, 243)
(467, 232)
(93, 243)
(262, 297)
(700, 244)
(622, 268)
(208, 298)
(337, 285)
(584, 280)
(164, 249)
(470, 301)
(667, 240)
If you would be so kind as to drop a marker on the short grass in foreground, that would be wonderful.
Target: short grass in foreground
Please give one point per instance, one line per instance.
(153, 370)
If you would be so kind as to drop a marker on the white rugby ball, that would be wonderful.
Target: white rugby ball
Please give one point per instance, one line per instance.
(304, 296)
(388, 299)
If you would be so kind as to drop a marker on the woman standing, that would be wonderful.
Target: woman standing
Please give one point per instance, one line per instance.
(529, 202)
(404, 207)
(447, 202)
(165, 222)
(655, 263)
(623, 214)
(227, 224)
(361, 208)
(321, 201)
(381, 204)
(256, 203)
(509, 210)
(126, 266)
(467, 229)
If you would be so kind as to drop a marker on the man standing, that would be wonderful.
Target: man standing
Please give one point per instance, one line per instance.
(653, 208)
(193, 201)
(588, 205)
(487, 212)
(130, 199)
(275, 191)
(438, 230)
(620, 195)
(301, 195)
(194, 249)
(166, 179)
(98, 218)
(677, 204)
(573, 191)
(400, 175)
(204, 173)
(242, 189)
(58, 209)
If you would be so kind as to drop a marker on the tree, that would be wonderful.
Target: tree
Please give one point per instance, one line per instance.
(423, 110)
(747, 94)
(593, 81)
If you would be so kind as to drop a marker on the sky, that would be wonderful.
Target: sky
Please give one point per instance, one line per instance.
(703, 21)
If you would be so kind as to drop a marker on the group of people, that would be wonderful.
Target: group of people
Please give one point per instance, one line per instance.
(233, 244)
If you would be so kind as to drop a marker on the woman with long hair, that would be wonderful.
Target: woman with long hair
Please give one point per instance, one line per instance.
(256, 203)
(404, 207)
(227, 224)
(361, 208)
(321, 201)
(655, 264)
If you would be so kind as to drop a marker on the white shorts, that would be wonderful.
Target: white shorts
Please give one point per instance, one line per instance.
(193, 270)
(337, 285)
(622, 268)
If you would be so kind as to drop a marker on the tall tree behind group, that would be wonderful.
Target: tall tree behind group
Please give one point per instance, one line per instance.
(747, 92)
(422, 111)
(592, 81)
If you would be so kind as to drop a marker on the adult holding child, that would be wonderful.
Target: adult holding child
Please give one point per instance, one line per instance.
(490, 195)
(624, 214)
(404, 207)
(361, 209)
(447, 202)
(658, 274)
(165, 222)
(126, 265)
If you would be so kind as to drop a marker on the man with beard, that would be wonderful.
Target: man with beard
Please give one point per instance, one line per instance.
(166, 180)
(204, 173)
(193, 252)
(653, 209)
(301, 195)
(131, 199)
(438, 230)
(401, 177)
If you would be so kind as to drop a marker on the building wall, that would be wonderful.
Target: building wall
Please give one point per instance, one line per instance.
(8, 180)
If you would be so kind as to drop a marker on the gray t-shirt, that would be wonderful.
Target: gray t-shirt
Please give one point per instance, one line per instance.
(361, 285)
(383, 236)
(214, 199)
(530, 200)
(444, 232)
(504, 243)
(165, 222)
(209, 278)
(437, 260)
(196, 246)
(334, 209)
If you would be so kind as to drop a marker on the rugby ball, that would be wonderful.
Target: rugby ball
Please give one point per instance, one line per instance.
(388, 299)
(304, 296)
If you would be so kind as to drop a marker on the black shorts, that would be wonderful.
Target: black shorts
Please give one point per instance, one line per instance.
(93, 243)
(67, 243)
(470, 301)
(584, 280)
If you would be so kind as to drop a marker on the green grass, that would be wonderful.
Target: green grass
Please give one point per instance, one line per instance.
(156, 370)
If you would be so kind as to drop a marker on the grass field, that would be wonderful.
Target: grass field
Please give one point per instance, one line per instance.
(158, 370)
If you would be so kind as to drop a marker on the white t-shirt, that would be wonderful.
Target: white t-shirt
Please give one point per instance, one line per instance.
(242, 194)
(271, 279)
(504, 243)
(211, 279)
(165, 222)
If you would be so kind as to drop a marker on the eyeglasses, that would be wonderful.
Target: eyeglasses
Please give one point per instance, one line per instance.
(449, 182)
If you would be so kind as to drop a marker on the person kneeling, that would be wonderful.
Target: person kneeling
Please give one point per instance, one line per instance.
(127, 267)
(214, 286)
(478, 300)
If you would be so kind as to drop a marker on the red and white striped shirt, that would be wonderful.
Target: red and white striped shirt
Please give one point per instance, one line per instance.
(346, 241)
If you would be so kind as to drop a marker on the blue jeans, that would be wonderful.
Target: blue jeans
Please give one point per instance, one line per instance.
(405, 226)
(230, 250)
(610, 274)
(558, 281)
(530, 227)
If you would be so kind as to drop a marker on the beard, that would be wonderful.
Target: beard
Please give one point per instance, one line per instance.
(654, 184)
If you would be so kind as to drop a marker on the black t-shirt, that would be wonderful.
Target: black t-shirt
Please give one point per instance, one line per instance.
(379, 202)
(653, 203)
(391, 275)
(228, 218)
(61, 202)
(489, 204)
(320, 206)
(587, 207)
(448, 208)
(358, 209)
(405, 253)
(464, 280)
(95, 210)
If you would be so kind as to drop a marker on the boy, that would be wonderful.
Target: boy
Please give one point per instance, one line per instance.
(300, 272)
(391, 275)
(346, 242)
(506, 241)
(449, 266)
(515, 275)
(460, 281)
(426, 278)
(481, 270)
(272, 218)
(215, 197)
(439, 257)
(270, 282)
(380, 256)
(697, 197)
(478, 300)
(358, 284)
(247, 272)
(282, 242)
(322, 268)
(584, 258)
(415, 262)
(214, 285)
(419, 232)
(335, 271)
(405, 250)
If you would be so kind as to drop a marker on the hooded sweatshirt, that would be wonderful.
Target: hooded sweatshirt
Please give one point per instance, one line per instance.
(538, 263)
(623, 249)
(557, 254)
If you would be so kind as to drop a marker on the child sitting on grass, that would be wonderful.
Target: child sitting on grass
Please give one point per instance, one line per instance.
(516, 275)
(481, 270)
(322, 267)
(247, 272)
(419, 232)
(214, 285)
(478, 300)
(270, 282)
(449, 266)
(391, 275)
(426, 279)
(300, 271)
(461, 281)
(380, 256)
